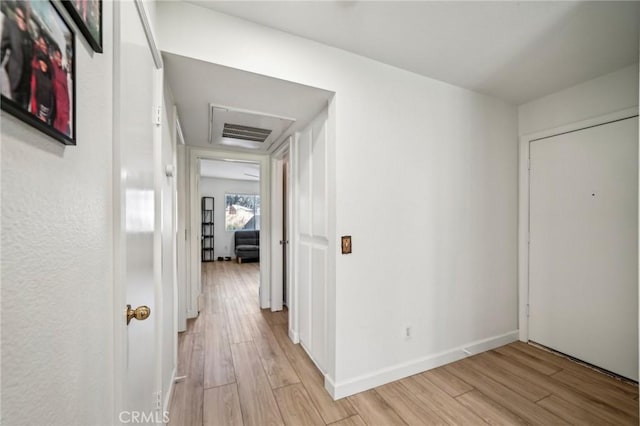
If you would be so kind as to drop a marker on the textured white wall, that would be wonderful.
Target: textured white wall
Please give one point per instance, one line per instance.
(57, 284)
(444, 258)
(603, 95)
(214, 187)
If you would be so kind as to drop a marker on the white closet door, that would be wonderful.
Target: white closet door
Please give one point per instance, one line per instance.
(312, 239)
(583, 283)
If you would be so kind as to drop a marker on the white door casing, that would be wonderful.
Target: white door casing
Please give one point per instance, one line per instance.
(583, 253)
(194, 155)
(277, 230)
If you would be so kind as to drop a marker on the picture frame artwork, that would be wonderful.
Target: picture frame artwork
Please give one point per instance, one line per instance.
(87, 15)
(37, 68)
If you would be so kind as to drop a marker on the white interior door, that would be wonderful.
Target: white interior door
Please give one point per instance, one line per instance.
(312, 238)
(136, 219)
(583, 283)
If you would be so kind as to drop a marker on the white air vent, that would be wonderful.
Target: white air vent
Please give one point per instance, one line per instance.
(246, 129)
(238, 131)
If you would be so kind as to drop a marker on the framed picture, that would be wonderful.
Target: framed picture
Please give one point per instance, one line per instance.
(37, 68)
(87, 14)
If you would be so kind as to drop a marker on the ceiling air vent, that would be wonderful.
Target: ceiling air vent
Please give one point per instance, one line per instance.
(238, 131)
(246, 130)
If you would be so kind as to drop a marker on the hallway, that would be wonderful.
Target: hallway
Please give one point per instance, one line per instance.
(241, 368)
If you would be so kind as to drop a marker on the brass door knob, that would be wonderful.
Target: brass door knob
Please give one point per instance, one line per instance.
(140, 313)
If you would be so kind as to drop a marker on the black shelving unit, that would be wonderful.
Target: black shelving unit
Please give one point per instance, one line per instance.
(207, 229)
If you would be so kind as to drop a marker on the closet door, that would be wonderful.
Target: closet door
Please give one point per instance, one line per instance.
(583, 283)
(312, 239)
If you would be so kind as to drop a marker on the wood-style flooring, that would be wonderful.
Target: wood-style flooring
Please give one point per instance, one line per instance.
(242, 369)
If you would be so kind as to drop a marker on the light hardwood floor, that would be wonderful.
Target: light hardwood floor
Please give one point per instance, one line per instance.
(242, 369)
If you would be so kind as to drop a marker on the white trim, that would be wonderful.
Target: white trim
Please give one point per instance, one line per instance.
(193, 215)
(148, 32)
(294, 336)
(119, 291)
(277, 258)
(523, 204)
(400, 371)
(167, 399)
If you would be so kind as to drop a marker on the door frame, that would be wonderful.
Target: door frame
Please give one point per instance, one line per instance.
(194, 155)
(277, 197)
(523, 204)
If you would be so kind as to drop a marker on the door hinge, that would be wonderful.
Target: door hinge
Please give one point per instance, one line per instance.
(527, 310)
(186, 234)
(158, 116)
(157, 400)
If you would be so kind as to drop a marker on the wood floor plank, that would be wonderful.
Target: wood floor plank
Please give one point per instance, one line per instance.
(502, 395)
(437, 400)
(577, 397)
(275, 363)
(194, 384)
(624, 388)
(494, 369)
(296, 406)
(239, 327)
(330, 410)
(408, 406)
(218, 363)
(527, 359)
(350, 421)
(572, 413)
(603, 393)
(177, 406)
(447, 382)
(488, 410)
(256, 399)
(374, 410)
(222, 406)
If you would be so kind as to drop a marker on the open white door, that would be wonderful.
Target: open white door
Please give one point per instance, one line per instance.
(136, 242)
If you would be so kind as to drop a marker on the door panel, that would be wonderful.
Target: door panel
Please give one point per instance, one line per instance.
(137, 200)
(312, 239)
(583, 245)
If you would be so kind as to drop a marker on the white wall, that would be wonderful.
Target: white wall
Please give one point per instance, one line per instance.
(223, 244)
(57, 259)
(445, 155)
(603, 95)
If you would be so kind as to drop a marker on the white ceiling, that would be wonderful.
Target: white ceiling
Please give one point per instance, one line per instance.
(230, 170)
(516, 51)
(197, 84)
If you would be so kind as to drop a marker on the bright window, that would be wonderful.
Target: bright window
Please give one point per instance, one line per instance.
(241, 211)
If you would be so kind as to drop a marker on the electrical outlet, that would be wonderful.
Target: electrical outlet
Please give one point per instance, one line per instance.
(408, 332)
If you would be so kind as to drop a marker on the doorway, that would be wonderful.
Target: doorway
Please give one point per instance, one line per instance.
(247, 169)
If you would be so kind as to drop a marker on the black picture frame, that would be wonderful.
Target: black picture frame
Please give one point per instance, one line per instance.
(40, 91)
(87, 15)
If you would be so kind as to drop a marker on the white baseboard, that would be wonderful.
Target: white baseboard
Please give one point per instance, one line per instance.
(294, 336)
(169, 395)
(400, 371)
